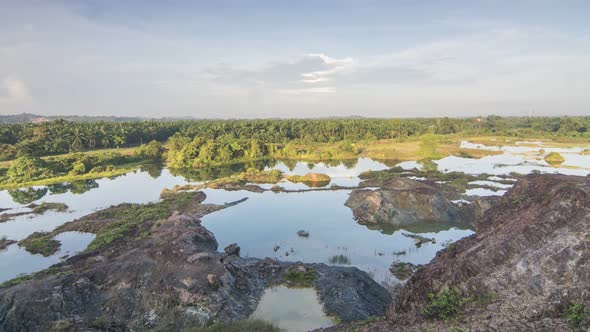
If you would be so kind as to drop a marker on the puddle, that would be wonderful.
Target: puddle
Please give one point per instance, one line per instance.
(292, 309)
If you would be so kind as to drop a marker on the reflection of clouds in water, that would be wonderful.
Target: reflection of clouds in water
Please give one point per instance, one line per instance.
(339, 171)
(484, 192)
(503, 164)
(293, 309)
(491, 184)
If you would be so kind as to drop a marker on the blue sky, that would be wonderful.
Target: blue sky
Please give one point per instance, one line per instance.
(252, 59)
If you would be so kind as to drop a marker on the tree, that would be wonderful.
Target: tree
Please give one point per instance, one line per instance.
(26, 168)
(154, 150)
(428, 146)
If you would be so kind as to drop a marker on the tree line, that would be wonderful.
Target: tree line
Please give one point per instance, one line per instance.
(252, 136)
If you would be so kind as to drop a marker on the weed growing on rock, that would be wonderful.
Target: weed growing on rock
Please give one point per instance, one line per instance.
(40, 243)
(577, 316)
(299, 277)
(445, 304)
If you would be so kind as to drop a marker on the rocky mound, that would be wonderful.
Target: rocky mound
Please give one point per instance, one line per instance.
(401, 201)
(526, 269)
(155, 267)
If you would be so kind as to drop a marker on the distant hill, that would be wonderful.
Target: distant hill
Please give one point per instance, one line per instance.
(35, 118)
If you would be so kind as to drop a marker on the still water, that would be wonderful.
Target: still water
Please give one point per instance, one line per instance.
(292, 309)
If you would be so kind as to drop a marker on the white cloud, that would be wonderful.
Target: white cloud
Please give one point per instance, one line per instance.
(13, 89)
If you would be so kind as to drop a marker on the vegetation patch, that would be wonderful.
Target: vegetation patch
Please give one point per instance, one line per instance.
(554, 158)
(448, 303)
(127, 221)
(312, 179)
(402, 270)
(299, 276)
(62, 325)
(40, 243)
(577, 316)
(44, 207)
(16, 281)
(253, 325)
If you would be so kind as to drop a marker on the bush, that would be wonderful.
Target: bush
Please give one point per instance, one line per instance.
(299, 276)
(40, 243)
(554, 158)
(577, 316)
(26, 169)
(445, 304)
(154, 150)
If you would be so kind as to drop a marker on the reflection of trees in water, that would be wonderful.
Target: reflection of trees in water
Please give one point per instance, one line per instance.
(339, 260)
(389, 162)
(27, 195)
(350, 163)
(80, 187)
(212, 173)
(58, 188)
(290, 164)
(154, 170)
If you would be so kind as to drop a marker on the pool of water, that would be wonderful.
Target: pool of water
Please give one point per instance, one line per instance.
(269, 220)
(292, 309)
(143, 186)
(15, 261)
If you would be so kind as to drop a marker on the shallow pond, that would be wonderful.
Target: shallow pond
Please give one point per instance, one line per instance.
(15, 260)
(144, 186)
(292, 309)
(269, 220)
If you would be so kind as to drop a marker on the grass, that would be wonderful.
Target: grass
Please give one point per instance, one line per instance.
(554, 158)
(576, 315)
(309, 178)
(448, 303)
(126, 222)
(239, 326)
(297, 277)
(402, 270)
(44, 207)
(16, 281)
(40, 243)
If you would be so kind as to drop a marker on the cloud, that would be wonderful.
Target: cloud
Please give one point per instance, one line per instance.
(13, 89)
(293, 75)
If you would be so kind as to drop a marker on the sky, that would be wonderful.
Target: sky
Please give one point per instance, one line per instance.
(317, 58)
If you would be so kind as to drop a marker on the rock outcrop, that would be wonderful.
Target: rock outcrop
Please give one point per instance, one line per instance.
(522, 270)
(401, 201)
(155, 267)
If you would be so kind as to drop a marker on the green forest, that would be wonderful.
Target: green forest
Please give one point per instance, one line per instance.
(60, 148)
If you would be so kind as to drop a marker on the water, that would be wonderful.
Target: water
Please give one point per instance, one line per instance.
(144, 186)
(292, 309)
(15, 260)
(271, 219)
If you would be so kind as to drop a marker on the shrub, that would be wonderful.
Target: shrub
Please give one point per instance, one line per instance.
(40, 243)
(445, 304)
(554, 158)
(299, 276)
(577, 316)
